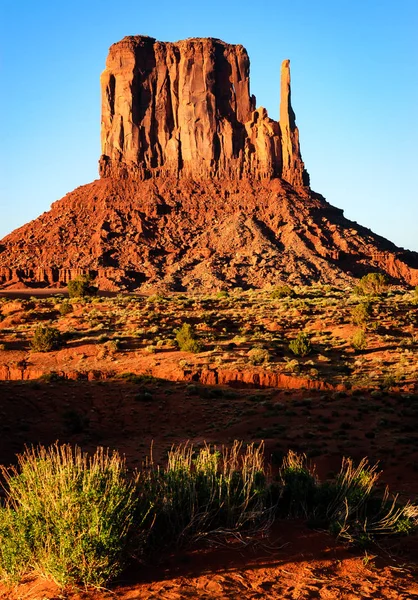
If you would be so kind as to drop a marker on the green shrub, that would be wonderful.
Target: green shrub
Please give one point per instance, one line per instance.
(299, 484)
(301, 345)
(359, 340)
(81, 287)
(372, 284)
(65, 308)
(46, 338)
(67, 516)
(282, 291)
(187, 340)
(361, 313)
(257, 356)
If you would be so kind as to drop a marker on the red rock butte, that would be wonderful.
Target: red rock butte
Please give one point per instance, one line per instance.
(198, 188)
(185, 109)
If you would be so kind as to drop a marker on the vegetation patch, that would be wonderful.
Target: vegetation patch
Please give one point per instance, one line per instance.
(80, 519)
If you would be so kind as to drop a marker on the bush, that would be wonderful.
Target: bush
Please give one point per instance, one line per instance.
(282, 291)
(361, 313)
(257, 356)
(206, 491)
(81, 287)
(299, 484)
(67, 516)
(46, 338)
(187, 340)
(359, 340)
(65, 308)
(301, 345)
(372, 284)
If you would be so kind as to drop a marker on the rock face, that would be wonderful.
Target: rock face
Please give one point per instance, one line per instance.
(185, 109)
(198, 188)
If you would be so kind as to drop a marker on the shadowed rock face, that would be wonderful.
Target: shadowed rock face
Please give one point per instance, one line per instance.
(198, 189)
(185, 109)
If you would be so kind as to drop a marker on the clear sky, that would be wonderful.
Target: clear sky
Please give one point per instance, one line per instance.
(354, 91)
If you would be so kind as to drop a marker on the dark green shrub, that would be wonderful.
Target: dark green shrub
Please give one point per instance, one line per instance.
(282, 291)
(361, 313)
(372, 284)
(301, 345)
(81, 287)
(299, 484)
(187, 340)
(46, 338)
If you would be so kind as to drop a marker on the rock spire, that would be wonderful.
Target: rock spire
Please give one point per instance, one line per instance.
(293, 169)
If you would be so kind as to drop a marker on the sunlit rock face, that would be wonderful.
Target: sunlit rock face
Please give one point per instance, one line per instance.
(185, 109)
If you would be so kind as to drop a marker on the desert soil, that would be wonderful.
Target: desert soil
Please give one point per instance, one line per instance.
(120, 382)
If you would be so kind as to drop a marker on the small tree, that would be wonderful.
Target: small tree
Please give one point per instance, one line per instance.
(187, 340)
(81, 287)
(46, 338)
(301, 345)
(372, 284)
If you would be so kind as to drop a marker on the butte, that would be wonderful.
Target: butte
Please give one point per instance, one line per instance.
(199, 189)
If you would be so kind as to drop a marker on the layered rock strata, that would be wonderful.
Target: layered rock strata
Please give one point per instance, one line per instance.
(185, 109)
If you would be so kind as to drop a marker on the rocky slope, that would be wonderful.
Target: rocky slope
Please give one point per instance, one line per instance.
(198, 188)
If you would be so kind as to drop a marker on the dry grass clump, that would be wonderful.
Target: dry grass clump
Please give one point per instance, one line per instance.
(350, 506)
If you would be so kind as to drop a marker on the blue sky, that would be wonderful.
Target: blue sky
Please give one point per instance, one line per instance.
(354, 91)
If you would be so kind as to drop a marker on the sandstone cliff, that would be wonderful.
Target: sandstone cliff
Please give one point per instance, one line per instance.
(185, 109)
(198, 188)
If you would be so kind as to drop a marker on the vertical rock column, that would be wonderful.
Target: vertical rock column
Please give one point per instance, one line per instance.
(293, 169)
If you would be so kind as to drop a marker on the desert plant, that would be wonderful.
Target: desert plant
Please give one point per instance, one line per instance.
(301, 345)
(357, 513)
(208, 493)
(187, 340)
(81, 287)
(282, 291)
(65, 308)
(46, 338)
(299, 483)
(372, 284)
(257, 355)
(361, 313)
(67, 516)
(359, 340)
